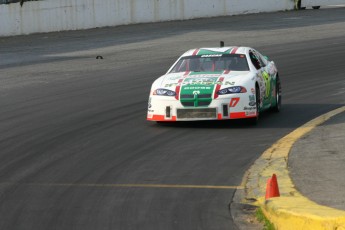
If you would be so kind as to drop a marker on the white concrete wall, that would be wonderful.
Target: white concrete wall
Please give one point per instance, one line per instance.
(58, 15)
(322, 2)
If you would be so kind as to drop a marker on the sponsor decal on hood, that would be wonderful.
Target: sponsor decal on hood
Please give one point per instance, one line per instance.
(194, 78)
(198, 91)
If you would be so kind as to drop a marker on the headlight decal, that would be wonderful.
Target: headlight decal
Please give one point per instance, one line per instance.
(164, 92)
(232, 90)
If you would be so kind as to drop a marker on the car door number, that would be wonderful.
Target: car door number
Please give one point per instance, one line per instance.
(267, 80)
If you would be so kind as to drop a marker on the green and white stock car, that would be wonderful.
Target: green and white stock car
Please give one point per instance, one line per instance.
(216, 84)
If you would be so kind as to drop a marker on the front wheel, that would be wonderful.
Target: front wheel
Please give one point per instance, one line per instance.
(316, 7)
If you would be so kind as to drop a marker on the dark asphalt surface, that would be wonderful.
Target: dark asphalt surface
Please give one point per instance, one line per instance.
(72, 127)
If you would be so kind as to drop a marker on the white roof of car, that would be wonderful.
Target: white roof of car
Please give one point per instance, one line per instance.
(213, 50)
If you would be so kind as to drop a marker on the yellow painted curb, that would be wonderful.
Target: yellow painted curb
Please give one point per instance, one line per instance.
(291, 210)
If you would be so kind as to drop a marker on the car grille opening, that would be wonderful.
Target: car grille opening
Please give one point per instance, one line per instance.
(186, 103)
(191, 100)
(225, 110)
(168, 112)
(205, 96)
(187, 95)
(204, 103)
(205, 113)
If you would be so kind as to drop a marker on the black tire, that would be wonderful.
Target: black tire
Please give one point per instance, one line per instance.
(162, 123)
(278, 96)
(255, 120)
(316, 7)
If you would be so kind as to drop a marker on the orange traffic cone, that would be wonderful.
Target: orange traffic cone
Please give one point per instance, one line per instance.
(272, 189)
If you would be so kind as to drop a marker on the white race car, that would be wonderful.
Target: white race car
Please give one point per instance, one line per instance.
(216, 84)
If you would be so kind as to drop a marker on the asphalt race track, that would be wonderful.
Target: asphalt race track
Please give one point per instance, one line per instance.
(76, 151)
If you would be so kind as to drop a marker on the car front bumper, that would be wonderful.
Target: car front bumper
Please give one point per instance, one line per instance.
(235, 106)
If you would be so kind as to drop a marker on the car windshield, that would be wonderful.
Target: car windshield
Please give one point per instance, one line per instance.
(212, 63)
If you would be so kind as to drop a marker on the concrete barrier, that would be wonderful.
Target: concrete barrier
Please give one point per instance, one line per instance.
(58, 15)
(309, 3)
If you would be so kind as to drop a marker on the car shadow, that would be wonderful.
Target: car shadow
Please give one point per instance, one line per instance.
(291, 116)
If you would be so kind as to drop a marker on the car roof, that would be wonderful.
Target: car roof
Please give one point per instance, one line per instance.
(217, 50)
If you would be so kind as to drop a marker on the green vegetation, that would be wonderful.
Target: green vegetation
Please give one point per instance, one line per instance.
(262, 219)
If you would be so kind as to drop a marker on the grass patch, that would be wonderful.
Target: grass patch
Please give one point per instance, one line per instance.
(262, 219)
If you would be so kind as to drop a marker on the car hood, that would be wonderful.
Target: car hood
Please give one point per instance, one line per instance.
(202, 79)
